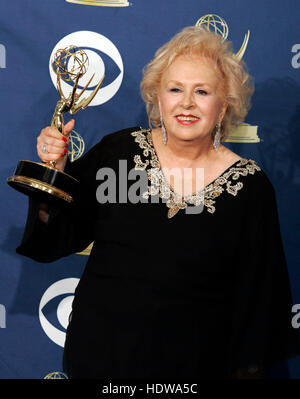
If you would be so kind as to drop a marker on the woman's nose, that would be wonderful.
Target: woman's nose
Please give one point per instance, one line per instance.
(188, 100)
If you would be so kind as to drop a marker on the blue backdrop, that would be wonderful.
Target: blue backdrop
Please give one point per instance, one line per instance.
(34, 300)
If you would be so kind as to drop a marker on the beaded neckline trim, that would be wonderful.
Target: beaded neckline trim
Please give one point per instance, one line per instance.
(205, 197)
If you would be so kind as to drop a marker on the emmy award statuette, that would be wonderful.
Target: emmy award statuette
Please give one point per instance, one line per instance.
(41, 180)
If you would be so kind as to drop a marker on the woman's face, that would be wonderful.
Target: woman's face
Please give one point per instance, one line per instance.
(189, 98)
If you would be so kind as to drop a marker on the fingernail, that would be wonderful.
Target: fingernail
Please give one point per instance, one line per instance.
(64, 139)
(65, 150)
(62, 155)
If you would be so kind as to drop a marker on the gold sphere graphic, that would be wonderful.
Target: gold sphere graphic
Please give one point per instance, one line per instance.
(215, 24)
(76, 146)
(56, 375)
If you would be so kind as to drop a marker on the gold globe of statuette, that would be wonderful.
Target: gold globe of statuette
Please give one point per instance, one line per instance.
(77, 146)
(214, 23)
(56, 375)
(70, 63)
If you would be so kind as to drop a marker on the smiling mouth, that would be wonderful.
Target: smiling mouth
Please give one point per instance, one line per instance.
(186, 119)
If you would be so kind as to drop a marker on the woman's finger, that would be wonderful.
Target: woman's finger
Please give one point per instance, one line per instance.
(50, 141)
(50, 131)
(69, 127)
(52, 149)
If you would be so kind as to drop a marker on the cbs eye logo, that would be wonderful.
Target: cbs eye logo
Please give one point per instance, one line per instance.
(104, 59)
(55, 292)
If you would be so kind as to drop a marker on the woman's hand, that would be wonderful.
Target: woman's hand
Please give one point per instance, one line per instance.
(55, 143)
(57, 147)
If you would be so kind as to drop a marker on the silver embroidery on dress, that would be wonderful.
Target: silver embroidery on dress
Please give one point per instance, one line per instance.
(175, 202)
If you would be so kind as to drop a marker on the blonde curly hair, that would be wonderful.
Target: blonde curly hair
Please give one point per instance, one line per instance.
(236, 87)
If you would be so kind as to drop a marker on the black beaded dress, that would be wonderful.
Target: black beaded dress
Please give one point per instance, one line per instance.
(171, 288)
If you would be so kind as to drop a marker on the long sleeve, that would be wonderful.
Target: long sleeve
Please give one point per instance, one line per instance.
(262, 333)
(69, 229)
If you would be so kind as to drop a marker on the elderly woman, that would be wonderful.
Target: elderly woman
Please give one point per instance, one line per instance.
(191, 280)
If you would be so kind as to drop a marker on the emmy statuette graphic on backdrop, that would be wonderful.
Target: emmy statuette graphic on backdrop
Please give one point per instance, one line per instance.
(42, 180)
(244, 133)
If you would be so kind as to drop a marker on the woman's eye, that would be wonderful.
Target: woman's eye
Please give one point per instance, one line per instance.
(175, 90)
(202, 92)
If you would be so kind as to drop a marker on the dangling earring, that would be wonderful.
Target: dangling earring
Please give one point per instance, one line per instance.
(217, 138)
(163, 130)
